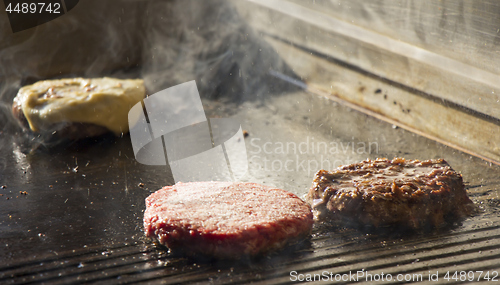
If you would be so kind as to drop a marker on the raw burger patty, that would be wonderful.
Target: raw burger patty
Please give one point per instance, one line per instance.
(225, 219)
(408, 193)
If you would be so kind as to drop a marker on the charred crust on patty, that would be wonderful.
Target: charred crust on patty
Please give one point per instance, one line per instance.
(403, 193)
(66, 130)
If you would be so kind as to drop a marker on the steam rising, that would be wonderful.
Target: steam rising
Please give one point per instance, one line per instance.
(164, 42)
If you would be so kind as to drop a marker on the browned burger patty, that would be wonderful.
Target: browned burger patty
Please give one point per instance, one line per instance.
(398, 192)
(225, 219)
(72, 131)
(75, 108)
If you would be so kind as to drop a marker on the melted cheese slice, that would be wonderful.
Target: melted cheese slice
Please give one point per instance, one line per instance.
(101, 101)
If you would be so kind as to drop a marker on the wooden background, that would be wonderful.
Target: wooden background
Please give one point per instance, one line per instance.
(428, 66)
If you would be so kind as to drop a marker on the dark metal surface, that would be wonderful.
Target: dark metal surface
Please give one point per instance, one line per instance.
(81, 219)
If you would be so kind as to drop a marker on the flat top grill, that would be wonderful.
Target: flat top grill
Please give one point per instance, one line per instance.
(81, 220)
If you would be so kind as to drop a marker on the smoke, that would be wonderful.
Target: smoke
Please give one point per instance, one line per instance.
(164, 42)
(92, 40)
(207, 41)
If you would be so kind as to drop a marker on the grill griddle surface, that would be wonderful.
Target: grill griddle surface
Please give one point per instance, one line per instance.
(81, 220)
